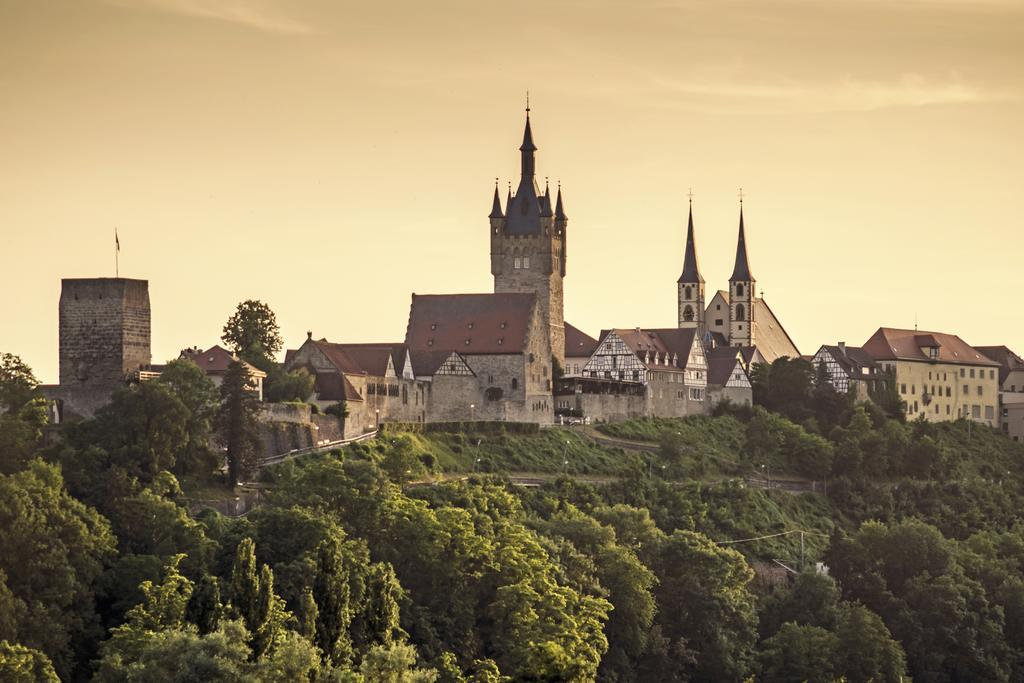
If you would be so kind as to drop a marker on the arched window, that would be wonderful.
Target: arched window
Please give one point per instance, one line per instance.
(688, 292)
(688, 314)
(740, 312)
(739, 289)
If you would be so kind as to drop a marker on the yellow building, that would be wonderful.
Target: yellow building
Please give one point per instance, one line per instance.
(1011, 385)
(938, 375)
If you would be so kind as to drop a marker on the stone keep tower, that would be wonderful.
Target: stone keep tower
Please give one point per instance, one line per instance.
(528, 244)
(742, 294)
(104, 331)
(690, 293)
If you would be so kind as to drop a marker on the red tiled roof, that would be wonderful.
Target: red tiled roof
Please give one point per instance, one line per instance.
(470, 323)
(578, 343)
(366, 359)
(895, 344)
(721, 362)
(672, 340)
(216, 359)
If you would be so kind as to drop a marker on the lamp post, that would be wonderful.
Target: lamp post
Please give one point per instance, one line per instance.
(378, 419)
(472, 412)
(565, 459)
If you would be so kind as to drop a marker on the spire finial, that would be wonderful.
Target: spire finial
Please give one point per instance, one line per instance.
(741, 196)
(690, 195)
(527, 104)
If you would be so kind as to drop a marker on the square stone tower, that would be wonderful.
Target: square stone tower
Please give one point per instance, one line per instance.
(104, 334)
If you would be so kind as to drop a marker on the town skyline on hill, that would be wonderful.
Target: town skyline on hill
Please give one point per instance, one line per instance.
(283, 157)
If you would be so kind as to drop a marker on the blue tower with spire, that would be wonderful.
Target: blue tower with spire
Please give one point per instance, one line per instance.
(528, 240)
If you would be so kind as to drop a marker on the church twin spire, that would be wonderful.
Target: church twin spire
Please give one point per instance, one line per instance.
(691, 267)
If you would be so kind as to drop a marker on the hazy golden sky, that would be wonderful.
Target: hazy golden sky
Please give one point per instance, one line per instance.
(331, 157)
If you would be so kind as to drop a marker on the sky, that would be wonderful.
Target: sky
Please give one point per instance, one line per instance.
(331, 158)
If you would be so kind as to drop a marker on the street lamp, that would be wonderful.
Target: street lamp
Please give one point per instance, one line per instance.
(565, 459)
(476, 463)
(472, 411)
(378, 419)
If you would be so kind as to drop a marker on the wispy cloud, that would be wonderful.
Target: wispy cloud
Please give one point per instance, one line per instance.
(261, 16)
(849, 94)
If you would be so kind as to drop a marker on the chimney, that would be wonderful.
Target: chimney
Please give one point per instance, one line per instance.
(842, 347)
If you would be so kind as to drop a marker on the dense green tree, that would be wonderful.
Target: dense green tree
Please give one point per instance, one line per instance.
(283, 386)
(20, 664)
(394, 664)
(17, 383)
(52, 550)
(238, 423)
(21, 434)
(812, 600)
(704, 601)
(332, 596)
(252, 332)
(204, 607)
(909, 575)
(866, 651)
(197, 393)
(799, 654)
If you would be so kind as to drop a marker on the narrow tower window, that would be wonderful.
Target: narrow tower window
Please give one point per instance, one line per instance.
(740, 312)
(688, 292)
(739, 290)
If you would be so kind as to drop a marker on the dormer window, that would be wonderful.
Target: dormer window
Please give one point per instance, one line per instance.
(467, 342)
(469, 326)
(430, 342)
(503, 324)
(433, 326)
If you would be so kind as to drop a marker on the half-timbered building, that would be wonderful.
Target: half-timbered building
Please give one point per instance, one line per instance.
(846, 367)
(668, 363)
(727, 377)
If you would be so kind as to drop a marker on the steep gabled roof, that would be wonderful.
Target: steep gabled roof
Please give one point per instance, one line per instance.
(721, 363)
(852, 359)
(470, 323)
(770, 336)
(889, 343)
(216, 359)
(334, 386)
(1007, 359)
(673, 341)
(578, 343)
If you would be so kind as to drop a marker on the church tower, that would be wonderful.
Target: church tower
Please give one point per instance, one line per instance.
(528, 243)
(690, 292)
(742, 295)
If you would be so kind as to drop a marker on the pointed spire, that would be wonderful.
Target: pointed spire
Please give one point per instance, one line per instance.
(496, 206)
(691, 269)
(741, 272)
(559, 208)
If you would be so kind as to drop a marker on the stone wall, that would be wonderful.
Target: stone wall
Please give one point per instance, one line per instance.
(737, 395)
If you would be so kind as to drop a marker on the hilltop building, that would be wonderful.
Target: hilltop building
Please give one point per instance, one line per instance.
(376, 382)
(736, 316)
(104, 338)
(214, 361)
(848, 367)
(938, 375)
(579, 347)
(1011, 389)
(728, 378)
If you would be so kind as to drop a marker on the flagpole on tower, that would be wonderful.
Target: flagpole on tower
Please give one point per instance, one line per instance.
(117, 255)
